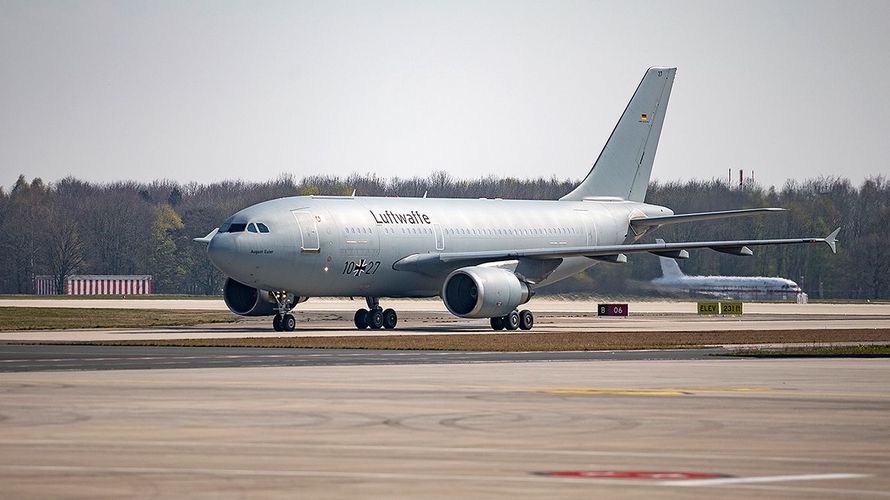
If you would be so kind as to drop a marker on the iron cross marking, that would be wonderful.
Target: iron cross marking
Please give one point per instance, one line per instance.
(361, 267)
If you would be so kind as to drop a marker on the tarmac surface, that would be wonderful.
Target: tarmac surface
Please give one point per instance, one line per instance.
(698, 428)
(330, 317)
(541, 304)
(80, 421)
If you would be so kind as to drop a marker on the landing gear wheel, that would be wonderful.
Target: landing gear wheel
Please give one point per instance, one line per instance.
(511, 321)
(276, 323)
(289, 322)
(526, 319)
(374, 319)
(360, 321)
(497, 323)
(390, 318)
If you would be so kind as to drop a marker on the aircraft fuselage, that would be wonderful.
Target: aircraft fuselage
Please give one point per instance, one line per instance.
(346, 246)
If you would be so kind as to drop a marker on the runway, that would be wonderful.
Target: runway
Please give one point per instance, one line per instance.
(550, 304)
(328, 317)
(738, 427)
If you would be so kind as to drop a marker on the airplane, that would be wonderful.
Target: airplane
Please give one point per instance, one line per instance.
(483, 257)
(749, 287)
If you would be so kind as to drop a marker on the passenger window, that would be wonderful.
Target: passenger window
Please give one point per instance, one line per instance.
(262, 227)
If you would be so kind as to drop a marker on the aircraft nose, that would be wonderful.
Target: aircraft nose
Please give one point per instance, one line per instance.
(221, 251)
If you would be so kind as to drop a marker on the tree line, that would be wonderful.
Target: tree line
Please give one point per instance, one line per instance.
(77, 227)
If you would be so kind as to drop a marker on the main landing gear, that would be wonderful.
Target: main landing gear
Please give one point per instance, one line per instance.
(524, 320)
(284, 321)
(375, 317)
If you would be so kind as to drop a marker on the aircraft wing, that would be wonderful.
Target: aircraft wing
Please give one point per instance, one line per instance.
(434, 263)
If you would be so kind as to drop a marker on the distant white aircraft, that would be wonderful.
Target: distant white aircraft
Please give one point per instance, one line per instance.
(737, 287)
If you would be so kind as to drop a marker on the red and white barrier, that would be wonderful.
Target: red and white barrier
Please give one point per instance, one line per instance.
(96, 285)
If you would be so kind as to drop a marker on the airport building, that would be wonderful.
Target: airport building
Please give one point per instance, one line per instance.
(91, 284)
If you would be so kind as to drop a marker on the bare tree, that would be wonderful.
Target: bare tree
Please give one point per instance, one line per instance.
(61, 247)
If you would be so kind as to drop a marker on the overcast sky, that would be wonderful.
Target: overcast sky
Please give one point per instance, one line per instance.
(211, 90)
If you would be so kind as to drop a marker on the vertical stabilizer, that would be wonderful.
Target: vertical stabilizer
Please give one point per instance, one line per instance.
(669, 268)
(625, 163)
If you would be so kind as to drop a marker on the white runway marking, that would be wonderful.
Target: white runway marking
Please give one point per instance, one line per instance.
(761, 479)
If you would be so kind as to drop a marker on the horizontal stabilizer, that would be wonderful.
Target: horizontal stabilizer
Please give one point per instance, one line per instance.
(700, 216)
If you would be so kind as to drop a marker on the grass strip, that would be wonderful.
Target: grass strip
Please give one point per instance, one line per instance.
(854, 351)
(44, 318)
(526, 341)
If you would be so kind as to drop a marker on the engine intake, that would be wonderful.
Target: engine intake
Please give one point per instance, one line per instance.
(483, 292)
(248, 301)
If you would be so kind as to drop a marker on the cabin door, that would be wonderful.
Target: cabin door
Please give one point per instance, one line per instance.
(308, 231)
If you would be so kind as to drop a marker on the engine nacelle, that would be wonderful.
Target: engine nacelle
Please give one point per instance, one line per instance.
(248, 301)
(483, 292)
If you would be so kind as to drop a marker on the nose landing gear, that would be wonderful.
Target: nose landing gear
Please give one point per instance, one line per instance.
(284, 321)
(524, 320)
(375, 317)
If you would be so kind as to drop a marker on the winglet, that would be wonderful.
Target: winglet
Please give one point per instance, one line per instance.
(207, 238)
(831, 240)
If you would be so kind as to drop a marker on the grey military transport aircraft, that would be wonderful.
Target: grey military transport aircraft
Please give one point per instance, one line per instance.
(483, 257)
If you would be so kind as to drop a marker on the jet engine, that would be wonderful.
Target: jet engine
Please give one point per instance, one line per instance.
(248, 301)
(483, 292)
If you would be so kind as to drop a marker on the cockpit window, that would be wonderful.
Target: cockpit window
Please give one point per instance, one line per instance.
(262, 227)
(251, 227)
(237, 227)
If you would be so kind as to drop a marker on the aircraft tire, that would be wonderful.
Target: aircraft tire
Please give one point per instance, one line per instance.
(390, 319)
(374, 319)
(276, 323)
(289, 323)
(511, 321)
(497, 323)
(360, 319)
(526, 319)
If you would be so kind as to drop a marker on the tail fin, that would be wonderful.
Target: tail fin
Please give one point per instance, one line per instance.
(625, 163)
(670, 268)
